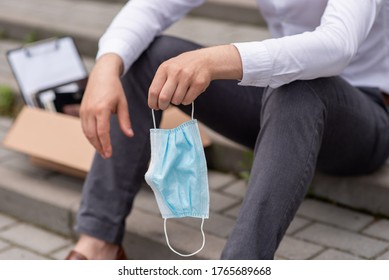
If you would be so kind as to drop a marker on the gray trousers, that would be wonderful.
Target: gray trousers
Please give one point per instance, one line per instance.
(324, 123)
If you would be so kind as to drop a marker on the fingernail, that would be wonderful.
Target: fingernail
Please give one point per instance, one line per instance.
(130, 132)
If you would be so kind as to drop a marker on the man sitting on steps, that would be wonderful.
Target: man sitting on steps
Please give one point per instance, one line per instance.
(311, 97)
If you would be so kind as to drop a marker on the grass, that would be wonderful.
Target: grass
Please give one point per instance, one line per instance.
(8, 101)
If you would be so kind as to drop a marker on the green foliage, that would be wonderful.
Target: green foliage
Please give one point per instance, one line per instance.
(246, 164)
(31, 37)
(7, 100)
(3, 33)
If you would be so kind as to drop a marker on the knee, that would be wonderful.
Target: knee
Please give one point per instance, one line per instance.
(298, 98)
(161, 49)
(165, 47)
(318, 90)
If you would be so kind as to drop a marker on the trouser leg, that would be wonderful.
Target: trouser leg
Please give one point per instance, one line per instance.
(112, 184)
(324, 122)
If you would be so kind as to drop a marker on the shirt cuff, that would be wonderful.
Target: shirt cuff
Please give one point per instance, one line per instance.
(119, 47)
(256, 62)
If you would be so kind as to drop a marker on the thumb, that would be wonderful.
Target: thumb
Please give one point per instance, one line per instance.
(124, 118)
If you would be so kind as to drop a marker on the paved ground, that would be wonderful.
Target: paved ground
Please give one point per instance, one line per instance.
(45, 202)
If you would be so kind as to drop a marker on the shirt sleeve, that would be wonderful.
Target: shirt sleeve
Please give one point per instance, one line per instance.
(324, 52)
(137, 24)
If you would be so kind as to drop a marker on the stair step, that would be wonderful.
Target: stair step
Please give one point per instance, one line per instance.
(42, 19)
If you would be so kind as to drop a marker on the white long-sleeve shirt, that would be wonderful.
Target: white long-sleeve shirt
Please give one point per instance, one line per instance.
(311, 39)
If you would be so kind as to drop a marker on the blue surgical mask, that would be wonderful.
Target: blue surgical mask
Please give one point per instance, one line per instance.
(178, 174)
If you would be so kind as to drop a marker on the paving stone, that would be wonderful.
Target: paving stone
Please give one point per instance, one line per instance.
(145, 200)
(220, 202)
(148, 229)
(295, 249)
(296, 224)
(332, 254)
(217, 180)
(34, 238)
(354, 243)
(6, 221)
(334, 215)
(277, 257)
(237, 189)
(384, 256)
(233, 212)
(379, 229)
(217, 224)
(3, 245)
(20, 254)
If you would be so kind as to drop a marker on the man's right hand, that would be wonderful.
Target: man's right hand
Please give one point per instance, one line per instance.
(104, 96)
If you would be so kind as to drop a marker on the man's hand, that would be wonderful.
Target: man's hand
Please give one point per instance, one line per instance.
(180, 80)
(104, 96)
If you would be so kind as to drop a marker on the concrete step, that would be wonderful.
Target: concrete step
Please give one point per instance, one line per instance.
(242, 11)
(369, 192)
(40, 19)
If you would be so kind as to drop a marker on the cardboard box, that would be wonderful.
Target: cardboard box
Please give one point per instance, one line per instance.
(54, 141)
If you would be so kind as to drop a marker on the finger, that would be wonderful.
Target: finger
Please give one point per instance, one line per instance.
(102, 131)
(180, 93)
(155, 88)
(190, 96)
(166, 94)
(194, 91)
(89, 128)
(124, 118)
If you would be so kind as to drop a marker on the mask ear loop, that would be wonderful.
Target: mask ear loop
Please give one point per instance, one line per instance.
(192, 110)
(178, 253)
(152, 112)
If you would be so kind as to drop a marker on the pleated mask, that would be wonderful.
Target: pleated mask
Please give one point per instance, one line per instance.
(177, 174)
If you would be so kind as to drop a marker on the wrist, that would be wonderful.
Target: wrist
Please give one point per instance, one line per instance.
(109, 64)
(225, 62)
